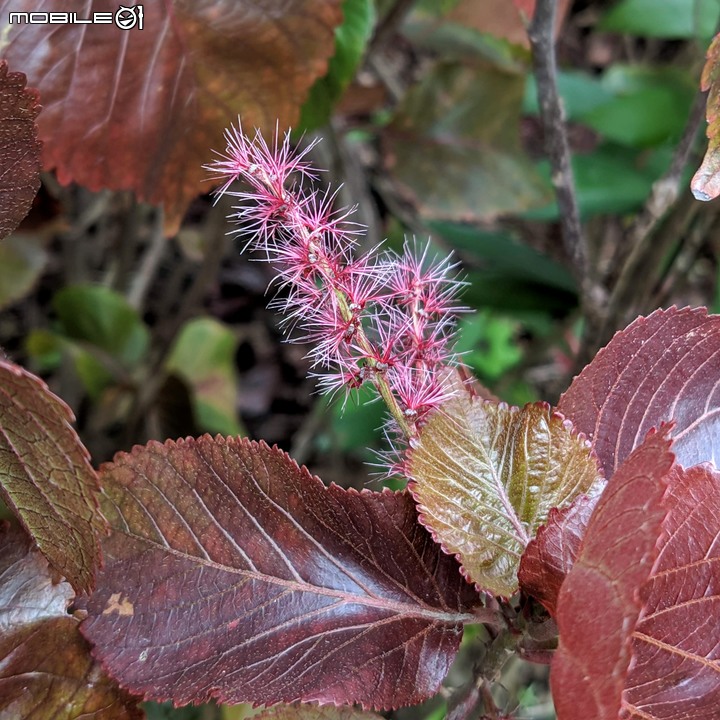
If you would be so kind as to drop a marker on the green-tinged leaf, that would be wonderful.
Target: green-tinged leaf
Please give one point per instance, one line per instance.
(663, 18)
(453, 148)
(46, 477)
(22, 261)
(351, 38)
(102, 317)
(705, 185)
(313, 712)
(485, 477)
(646, 105)
(204, 357)
(47, 671)
(610, 180)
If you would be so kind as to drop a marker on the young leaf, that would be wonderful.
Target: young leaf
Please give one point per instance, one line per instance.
(138, 109)
(676, 642)
(598, 604)
(46, 669)
(485, 477)
(552, 552)
(661, 368)
(46, 477)
(19, 148)
(233, 574)
(705, 184)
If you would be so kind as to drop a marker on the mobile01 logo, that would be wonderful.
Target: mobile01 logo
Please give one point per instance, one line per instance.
(126, 18)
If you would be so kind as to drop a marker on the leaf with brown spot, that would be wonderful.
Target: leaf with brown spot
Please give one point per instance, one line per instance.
(598, 604)
(19, 148)
(233, 574)
(140, 109)
(46, 477)
(485, 477)
(47, 670)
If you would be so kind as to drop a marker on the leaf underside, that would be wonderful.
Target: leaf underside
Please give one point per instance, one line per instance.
(235, 575)
(46, 669)
(138, 109)
(661, 368)
(676, 643)
(46, 477)
(485, 476)
(598, 604)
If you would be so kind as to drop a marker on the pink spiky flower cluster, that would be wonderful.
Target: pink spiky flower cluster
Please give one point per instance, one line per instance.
(380, 318)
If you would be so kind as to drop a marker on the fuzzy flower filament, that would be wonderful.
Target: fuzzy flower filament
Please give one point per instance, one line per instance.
(383, 318)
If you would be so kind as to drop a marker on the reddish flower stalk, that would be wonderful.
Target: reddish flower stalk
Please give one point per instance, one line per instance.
(385, 319)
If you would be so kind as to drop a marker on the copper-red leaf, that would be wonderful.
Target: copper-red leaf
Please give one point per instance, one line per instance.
(313, 712)
(599, 604)
(19, 149)
(140, 109)
(661, 368)
(46, 476)
(676, 643)
(46, 670)
(552, 552)
(234, 574)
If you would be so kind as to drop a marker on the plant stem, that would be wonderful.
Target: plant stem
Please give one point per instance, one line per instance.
(540, 32)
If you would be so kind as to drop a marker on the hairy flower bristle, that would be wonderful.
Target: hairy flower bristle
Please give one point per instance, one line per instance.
(383, 317)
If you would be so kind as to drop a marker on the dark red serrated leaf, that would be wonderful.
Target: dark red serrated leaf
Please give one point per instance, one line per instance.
(552, 552)
(19, 149)
(705, 184)
(598, 604)
(46, 477)
(233, 574)
(140, 109)
(313, 712)
(676, 642)
(46, 670)
(661, 368)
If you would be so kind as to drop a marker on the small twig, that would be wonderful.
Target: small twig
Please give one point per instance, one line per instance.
(389, 25)
(541, 35)
(641, 235)
(686, 257)
(148, 264)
